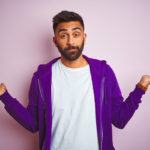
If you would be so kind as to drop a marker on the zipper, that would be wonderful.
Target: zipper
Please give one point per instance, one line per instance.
(40, 90)
(101, 102)
(41, 95)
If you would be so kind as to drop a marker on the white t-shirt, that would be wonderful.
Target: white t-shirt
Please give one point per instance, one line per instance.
(73, 109)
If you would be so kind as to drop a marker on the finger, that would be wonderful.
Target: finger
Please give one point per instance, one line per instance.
(2, 84)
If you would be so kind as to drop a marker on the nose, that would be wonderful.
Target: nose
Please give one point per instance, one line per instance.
(70, 40)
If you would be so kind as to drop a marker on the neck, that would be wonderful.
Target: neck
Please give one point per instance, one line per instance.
(80, 62)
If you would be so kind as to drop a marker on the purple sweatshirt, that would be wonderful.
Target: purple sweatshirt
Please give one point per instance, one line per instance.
(109, 105)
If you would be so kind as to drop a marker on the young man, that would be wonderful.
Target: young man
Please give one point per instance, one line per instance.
(74, 99)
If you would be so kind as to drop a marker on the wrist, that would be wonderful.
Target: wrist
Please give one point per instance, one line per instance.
(143, 87)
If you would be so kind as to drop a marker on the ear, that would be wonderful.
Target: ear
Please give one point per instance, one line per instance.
(85, 35)
(54, 40)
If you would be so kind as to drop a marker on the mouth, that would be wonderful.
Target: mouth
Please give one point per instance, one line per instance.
(73, 49)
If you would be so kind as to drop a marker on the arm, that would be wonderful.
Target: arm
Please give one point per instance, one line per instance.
(27, 117)
(123, 110)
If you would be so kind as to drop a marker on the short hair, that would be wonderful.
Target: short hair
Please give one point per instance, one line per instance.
(66, 16)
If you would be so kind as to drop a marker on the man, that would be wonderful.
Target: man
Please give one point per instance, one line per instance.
(74, 99)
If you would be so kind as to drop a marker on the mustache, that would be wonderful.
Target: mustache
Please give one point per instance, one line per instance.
(71, 47)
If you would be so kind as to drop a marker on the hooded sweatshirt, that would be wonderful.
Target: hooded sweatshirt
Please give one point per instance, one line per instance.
(110, 106)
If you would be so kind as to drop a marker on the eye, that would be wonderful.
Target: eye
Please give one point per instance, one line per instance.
(63, 36)
(76, 34)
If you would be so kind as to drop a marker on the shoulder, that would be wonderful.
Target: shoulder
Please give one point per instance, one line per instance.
(108, 70)
(45, 68)
(101, 67)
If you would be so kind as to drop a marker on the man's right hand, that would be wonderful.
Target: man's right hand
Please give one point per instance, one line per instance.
(2, 88)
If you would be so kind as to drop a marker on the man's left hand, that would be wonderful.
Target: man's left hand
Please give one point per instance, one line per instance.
(145, 81)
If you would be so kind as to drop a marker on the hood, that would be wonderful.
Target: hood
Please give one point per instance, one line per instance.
(97, 66)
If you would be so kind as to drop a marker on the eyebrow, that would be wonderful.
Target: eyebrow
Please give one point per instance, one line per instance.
(63, 29)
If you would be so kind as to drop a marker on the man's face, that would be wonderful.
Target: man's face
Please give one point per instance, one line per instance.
(69, 39)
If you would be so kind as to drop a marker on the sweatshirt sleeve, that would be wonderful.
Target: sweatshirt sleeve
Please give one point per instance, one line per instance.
(6, 97)
(27, 117)
(123, 109)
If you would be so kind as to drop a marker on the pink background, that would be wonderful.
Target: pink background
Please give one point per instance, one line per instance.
(117, 31)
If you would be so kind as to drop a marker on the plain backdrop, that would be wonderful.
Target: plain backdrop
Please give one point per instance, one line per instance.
(118, 31)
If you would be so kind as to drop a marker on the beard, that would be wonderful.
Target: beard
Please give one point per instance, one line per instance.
(71, 55)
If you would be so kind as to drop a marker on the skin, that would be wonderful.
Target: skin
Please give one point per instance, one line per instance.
(70, 35)
(69, 39)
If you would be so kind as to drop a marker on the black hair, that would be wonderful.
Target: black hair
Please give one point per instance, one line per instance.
(66, 16)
